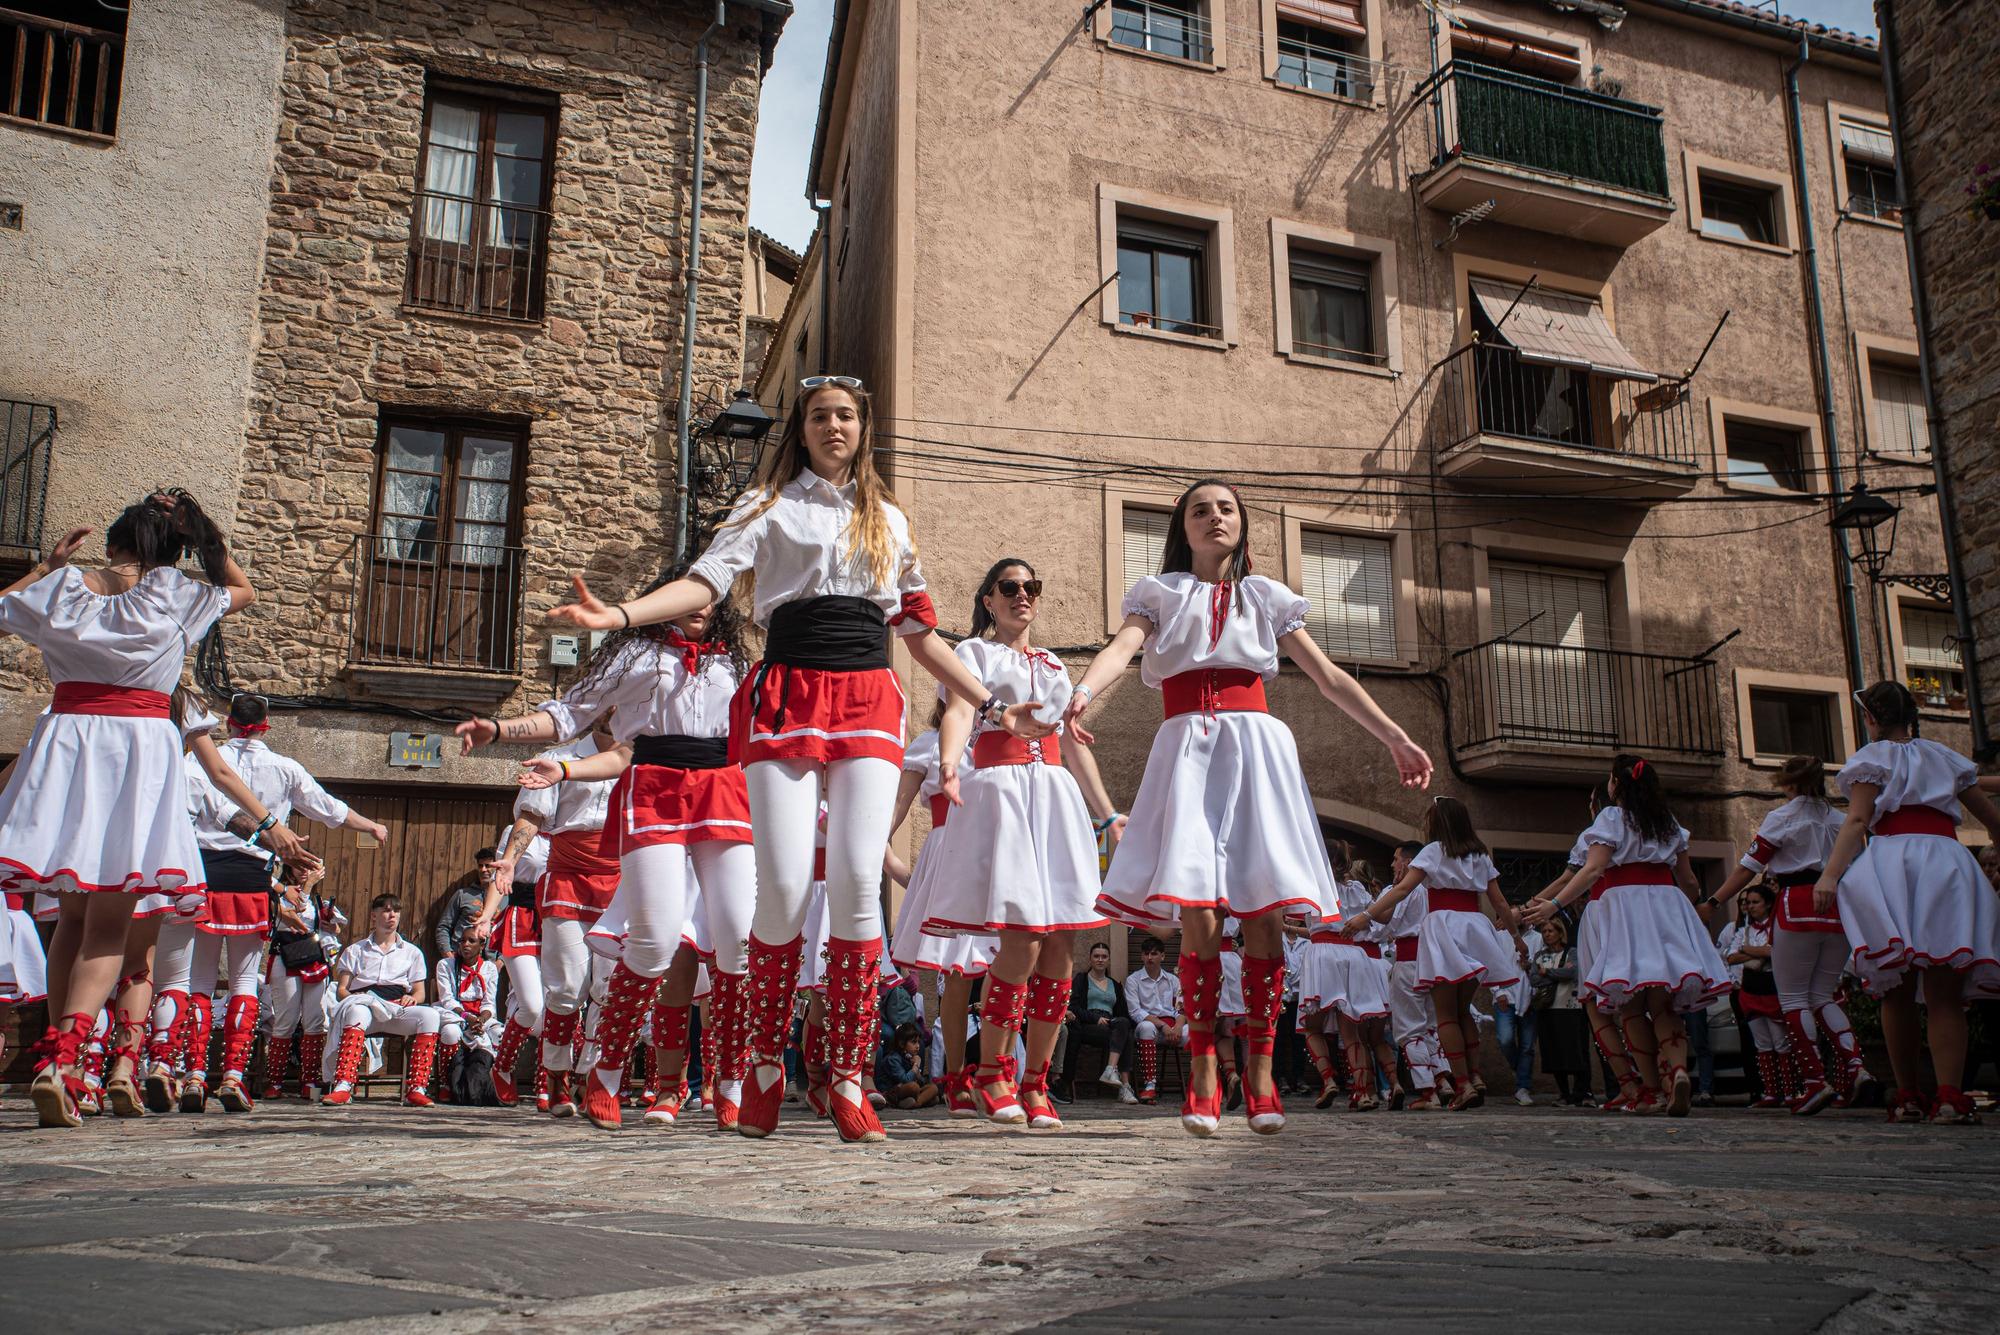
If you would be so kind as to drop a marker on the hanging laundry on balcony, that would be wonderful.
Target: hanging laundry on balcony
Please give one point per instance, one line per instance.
(1557, 328)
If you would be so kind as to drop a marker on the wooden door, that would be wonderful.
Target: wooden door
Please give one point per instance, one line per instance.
(433, 834)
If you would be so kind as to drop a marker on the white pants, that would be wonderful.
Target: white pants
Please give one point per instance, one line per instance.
(374, 1016)
(293, 1003)
(456, 1028)
(1769, 1033)
(189, 961)
(1807, 967)
(524, 985)
(1148, 1030)
(784, 811)
(1413, 1024)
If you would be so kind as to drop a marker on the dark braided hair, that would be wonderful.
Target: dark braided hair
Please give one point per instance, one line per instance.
(725, 624)
(1892, 707)
(165, 527)
(1642, 798)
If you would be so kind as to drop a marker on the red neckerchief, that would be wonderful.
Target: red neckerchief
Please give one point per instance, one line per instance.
(691, 651)
(1218, 611)
(250, 729)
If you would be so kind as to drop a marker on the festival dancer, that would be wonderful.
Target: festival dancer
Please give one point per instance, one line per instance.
(1211, 632)
(835, 564)
(1778, 1063)
(1604, 1031)
(1650, 957)
(1808, 949)
(1458, 950)
(1916, 908)
(1345, 988)
(958, 959)
(1020, 861)
(679, 819)
(296, 980)
(1412, 1021)
(95, 812)
(576, 882)
(381, 989)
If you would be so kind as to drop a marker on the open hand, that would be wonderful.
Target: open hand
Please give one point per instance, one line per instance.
(538, 774)
(1413, 764)
(1021, 721)
(588, 612)
(1539, 912)
(1072, 720)
(65, 548)
(474, 733)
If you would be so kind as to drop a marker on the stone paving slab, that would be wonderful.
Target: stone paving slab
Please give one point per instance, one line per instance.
(53, 1226)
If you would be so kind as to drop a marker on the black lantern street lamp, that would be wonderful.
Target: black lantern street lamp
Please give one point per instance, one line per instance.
(1871, 521)
(744, 419)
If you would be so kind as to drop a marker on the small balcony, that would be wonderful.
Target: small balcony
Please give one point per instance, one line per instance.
(1506, 420)
(477, 257)
(1556, 713)
(61, 76)
(24, 483)
(435, 619)
(1552, 158)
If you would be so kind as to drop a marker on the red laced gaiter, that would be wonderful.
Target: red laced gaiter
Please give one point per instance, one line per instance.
(767, 1018)
(853, 1027)
(1201, 996)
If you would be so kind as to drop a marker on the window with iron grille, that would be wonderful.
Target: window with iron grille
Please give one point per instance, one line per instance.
(1163, 278)
(62, 66)
(479, 234)
(1759, 454)
(1738, 210)
(1177, 28)
(1791, 723)
(1933, 667)
(1333, 305)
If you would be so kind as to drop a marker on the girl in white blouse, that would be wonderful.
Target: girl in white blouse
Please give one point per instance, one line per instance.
(821, 715)
(1916, 908)
(1211, 633)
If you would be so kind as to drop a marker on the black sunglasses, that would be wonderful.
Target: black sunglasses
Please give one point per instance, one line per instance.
(1011, 588)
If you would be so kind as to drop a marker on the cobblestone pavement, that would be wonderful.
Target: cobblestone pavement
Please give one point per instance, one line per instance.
(494, 1220)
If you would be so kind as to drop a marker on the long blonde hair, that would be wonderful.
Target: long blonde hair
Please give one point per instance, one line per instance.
(868, 531)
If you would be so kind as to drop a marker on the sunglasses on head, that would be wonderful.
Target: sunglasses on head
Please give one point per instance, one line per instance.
(844, 381)
(1012, 588)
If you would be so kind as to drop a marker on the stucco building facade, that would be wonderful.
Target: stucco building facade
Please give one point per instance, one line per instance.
(1503, 325)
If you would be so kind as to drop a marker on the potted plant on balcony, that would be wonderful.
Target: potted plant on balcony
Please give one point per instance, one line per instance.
(1929, 688)
(1984, 190)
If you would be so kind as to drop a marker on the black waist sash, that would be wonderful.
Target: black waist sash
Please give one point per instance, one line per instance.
(835, 633)
(387, 991)
(680, 751)
(521, 895)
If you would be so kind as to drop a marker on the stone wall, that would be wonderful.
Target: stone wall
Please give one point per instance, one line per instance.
(1950, 125)
(594, 381)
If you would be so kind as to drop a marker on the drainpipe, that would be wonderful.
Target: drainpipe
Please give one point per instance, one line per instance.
(1829, 415)
(825, 275)
(691, 289)
(1983, 744)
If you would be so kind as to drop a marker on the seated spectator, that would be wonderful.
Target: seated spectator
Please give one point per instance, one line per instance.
(463, 902)
(468, 987)
(1097, 1014)
(381, 990)
(900, 1073)
(1153, 1001)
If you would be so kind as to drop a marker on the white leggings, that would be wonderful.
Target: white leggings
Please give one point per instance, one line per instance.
(293, 1003)
(1807, 967)
(245, 962)
(524, 984)
(784, 811)
(1769, 1033)
(565, 965)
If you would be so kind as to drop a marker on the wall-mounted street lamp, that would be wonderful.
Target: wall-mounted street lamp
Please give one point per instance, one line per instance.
(1870, 522)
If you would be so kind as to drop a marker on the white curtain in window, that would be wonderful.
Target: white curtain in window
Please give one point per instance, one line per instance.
(1145, 541)
(1901, 425)
(451, 167)
(1350, 588)
(485, 487)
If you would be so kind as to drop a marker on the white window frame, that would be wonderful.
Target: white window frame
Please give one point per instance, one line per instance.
(1395, 530)
(1114, 202)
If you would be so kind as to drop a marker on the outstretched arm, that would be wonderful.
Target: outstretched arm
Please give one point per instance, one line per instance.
(542, 773)
(936, 657)
(1385, 903)
(535, 726)
(1345, 692)
(1594, 863)
(1111, 660)
(665, 603)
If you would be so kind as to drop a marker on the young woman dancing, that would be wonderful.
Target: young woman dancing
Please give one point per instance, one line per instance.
(1020, 855)
(1778, 1063)
(96, 810)
(835, 565)
(1223, 823)
(1344, 988)
(1808, 949)
(1458, 950)
(1650, 958)
(1916, 908)
(679, 818)
(1604, 1030)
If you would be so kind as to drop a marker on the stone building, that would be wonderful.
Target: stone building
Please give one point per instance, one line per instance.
(1501, 316)
(770, 271)
(1948, 127)
(438, 250)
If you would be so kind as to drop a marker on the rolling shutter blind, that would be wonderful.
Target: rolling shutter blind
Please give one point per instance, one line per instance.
(1350, 585)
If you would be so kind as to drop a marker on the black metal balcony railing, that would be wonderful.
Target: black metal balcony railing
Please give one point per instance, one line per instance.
(1167, 324)
(477, 258)
(1489, 389)
(60, 74)
(1478, 111)
(1550, 694)
(24, 472)
(422, 603)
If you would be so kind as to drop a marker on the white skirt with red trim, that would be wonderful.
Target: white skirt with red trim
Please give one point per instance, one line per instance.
(966, 954)
(1920, 901)
(1020, 855)
(817, 715)
(657, 804)
(1640, 937)
(1223, 820)
(580, 879)
(1340, 976)
(98, 803)
(24, 968)
(1454, 946)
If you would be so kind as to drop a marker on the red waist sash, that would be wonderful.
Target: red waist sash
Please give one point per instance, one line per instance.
(1451, 900)
(1634, 873)
(1406, 949)
(1370, 949)
(1906, 820)
(995, 748)
(1323, 937)
(578, 853)
(89, 697)
(940, 811)
(1213, 691)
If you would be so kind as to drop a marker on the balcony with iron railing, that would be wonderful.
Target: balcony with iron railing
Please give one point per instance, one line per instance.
(1551, 157)
(24, 482)
(60, 76)
(477, 257)
(434, 619)
(1501, 421)
(1557, 713)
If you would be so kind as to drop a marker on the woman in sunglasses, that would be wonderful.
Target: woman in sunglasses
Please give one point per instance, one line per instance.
(1020, 855)
(835, 567)
(1223, 824)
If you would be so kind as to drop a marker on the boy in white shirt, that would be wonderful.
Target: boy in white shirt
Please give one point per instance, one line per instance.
(381, 989)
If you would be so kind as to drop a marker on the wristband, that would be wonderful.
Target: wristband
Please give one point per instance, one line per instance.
(1083, 693)
(627, 615)
(1108, 822)
(269, 821)
(565, 770)
(987, 706)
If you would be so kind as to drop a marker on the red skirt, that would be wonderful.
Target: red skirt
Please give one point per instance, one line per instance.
(517, 931)
(817, 715)
(1796, 912)
(236, 913)
(658, 804)
(1759, 1003)
(580, 880)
